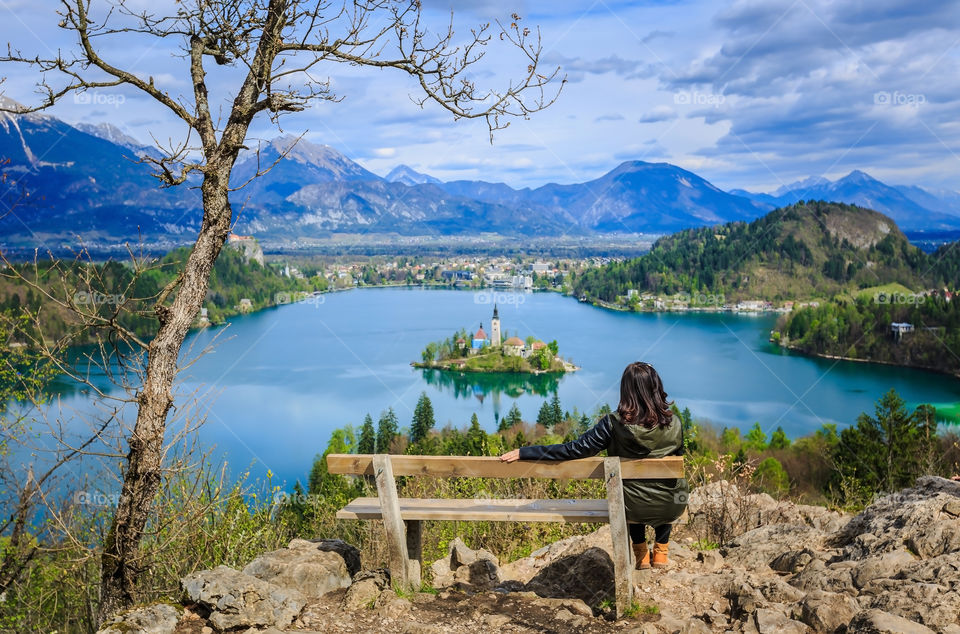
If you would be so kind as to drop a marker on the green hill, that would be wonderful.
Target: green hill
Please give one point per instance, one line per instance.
(807, 250)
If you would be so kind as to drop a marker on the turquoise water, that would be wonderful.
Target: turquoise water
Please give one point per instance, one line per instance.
(280, 380)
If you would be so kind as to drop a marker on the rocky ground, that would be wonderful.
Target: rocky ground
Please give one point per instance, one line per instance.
(895, 567)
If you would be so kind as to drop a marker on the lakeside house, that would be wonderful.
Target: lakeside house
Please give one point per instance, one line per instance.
(900, 328)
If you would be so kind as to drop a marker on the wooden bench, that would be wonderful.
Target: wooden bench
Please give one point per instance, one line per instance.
(402, 517)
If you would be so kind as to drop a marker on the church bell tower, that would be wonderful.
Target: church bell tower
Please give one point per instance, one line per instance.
(495, 328)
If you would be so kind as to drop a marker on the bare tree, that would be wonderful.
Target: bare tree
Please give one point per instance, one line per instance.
(277, 46)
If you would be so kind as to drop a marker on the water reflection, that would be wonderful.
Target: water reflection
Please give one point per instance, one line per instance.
(480, 385)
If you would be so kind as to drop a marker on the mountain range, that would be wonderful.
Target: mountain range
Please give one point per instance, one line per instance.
(64, 181)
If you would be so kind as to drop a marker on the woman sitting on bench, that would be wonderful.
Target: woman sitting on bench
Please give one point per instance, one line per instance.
(642, 427)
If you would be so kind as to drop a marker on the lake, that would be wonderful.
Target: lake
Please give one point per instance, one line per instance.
(280, 380)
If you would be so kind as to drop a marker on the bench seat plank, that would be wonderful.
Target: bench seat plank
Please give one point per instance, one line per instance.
(501, 510)
(492, 467)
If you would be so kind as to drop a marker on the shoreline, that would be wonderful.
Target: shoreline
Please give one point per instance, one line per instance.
(419, 365)
(837, 357)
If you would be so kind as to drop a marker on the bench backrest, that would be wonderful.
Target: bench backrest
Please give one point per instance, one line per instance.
(492, 467)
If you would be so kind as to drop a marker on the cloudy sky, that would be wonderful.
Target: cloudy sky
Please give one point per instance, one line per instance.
(749, 93)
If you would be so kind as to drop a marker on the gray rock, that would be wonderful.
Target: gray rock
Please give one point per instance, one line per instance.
(879, 622)
(710, 561)
(776, 590)
(239, 600)
(366, 589)
(913, 516)
(159, 618)
(755, 549)
(934, 605)
(769, 621)
(695, 626)
(884, 566)
(793, 561)
(313, 568)
(479, 568)
(818, 576)
(744, 598)
(574, 606)
(827, 611)
(480, 574)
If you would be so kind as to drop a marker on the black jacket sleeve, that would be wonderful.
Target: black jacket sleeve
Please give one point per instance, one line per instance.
(592, 442)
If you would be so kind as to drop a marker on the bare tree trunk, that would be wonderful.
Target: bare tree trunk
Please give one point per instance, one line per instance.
(141, 480)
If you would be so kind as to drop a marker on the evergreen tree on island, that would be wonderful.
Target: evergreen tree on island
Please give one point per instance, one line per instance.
(423, 420)
(368, 438)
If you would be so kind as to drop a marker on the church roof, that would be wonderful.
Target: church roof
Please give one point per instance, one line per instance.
(513, 341)
(480, 334)
(538, 344)
(496, 315)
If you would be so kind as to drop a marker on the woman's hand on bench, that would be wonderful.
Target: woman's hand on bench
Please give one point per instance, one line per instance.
(510, 456)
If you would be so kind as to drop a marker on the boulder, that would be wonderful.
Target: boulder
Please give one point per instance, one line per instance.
(574, 606)
(159, 618)
(757, 548)
(744, 598)
(793, 561)
(818, 576)
(879, 622)
(366, 589)
(884, 566)
(770, 621)
(526, 568)
(934, 605)
(827, 611)
(478, 568)
(918, 517)
(480, 574)
(710, 561)
(235, 599)
(587, 576)
(313, 568)
(390, 606)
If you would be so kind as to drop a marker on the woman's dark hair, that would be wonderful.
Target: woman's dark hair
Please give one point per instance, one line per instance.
(642, 399)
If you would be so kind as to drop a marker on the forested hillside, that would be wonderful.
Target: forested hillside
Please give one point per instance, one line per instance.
(806, 250)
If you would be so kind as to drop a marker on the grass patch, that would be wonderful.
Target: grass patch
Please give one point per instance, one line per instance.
(705, 544)
(889, 289)
(637, 609)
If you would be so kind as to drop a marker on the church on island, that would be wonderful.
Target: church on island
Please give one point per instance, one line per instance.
(480, 339)
(514, 346)
(492, 351)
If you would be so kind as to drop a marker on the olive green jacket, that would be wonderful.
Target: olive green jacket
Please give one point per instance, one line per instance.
(654, 502)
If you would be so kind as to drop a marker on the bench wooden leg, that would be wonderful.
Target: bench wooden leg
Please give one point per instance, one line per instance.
(414, 546)
(622, 570)
(405, 573)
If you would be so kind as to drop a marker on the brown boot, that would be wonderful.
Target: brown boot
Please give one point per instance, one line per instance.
(660, 556)
(641, 556)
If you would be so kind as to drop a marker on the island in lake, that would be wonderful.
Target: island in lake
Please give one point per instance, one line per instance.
(493, 353)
